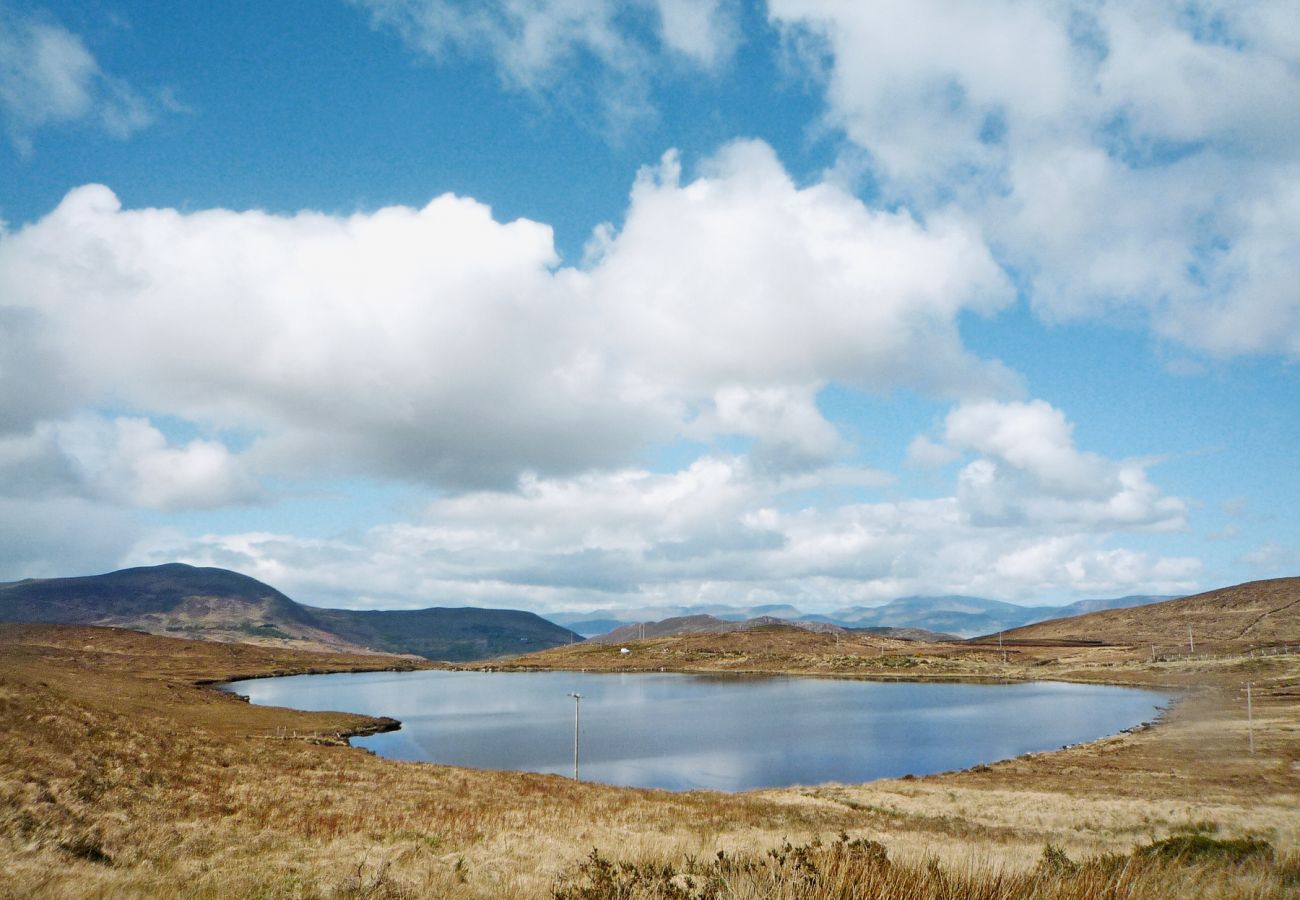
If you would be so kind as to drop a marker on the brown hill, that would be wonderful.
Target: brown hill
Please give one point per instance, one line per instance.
(666, 628)
(1257, 613)
(219, 605)
(763, 647)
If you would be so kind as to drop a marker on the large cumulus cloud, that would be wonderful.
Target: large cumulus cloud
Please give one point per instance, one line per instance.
(1122, 155)
(440, 345)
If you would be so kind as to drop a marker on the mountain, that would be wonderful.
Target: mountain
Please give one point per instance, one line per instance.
(950, 614)
(944, 615)
(670, 627)
(589, 621)
(217, 604)
(907, 634)
(704, 624)
(1079, 607)
(953, 614)
(969, 616)
(592, 627)
(450, 634)
(1254, 613)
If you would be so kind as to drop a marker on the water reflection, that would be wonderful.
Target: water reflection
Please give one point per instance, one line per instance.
(728, 733)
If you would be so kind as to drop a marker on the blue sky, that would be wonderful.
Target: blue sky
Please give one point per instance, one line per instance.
(571, 304)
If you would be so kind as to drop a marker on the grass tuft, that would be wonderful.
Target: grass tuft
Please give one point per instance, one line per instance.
(1185, 847)
(857, 869)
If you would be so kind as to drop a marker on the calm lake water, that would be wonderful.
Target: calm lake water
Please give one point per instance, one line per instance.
(722, 732)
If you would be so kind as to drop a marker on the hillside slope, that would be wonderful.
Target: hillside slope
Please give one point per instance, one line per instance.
(705, 624)
(1255, 613)
(217, 604)
(969, 616)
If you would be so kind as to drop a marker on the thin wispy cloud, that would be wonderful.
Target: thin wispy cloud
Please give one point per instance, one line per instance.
(49, 77)
(539, 46)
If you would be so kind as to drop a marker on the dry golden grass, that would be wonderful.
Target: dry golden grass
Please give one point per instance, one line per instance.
(860, 869)
(120, 776)
(1255, 613)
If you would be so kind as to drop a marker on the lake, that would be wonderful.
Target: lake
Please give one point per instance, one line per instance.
(722, 732)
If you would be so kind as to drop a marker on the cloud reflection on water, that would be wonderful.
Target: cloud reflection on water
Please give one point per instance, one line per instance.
(682, 732)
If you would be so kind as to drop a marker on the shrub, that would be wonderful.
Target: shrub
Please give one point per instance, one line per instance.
(1188, 848)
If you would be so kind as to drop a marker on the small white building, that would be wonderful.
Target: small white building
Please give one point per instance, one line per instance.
(624, 650)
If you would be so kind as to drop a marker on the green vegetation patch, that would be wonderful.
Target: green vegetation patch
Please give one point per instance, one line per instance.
(264, 629)
(1203, 848)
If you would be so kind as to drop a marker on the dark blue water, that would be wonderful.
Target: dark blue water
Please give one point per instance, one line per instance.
(723, 732)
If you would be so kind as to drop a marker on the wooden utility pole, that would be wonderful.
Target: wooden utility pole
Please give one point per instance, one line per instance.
(1191, 644)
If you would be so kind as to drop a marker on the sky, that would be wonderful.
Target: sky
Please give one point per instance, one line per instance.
(570, 305)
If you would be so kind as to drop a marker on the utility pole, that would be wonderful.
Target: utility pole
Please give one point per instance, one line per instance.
(577, 717)
(1153, 652)
(1250, 720)
(1191, 644)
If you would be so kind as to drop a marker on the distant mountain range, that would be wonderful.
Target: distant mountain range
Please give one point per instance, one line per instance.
(952, 615)
(705, 624)
(217, 604)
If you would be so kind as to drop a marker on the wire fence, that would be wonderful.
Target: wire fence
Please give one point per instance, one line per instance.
(1251, 653)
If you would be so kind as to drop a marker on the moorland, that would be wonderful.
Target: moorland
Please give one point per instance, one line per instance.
(123, 773)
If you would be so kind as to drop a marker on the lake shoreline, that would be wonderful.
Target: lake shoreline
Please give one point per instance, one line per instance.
(750, 732)
(114, 752)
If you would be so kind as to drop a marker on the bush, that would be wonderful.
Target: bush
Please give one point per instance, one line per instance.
(1189, 848)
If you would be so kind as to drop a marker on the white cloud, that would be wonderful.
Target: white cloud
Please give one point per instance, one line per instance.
(123, 461)
(129, 461)
(1029, 471)
(440, 345)
(1120, 154)
(1034, 438)
(725, 530)
(917, 81)
(1271, 559)
(793, 431)
(1226, 533)
(926, 453)
(1235, 507)
(703, 30)
(37, 384)
(611, 50)
(53, 537)
(740, 276)
(48, 77)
